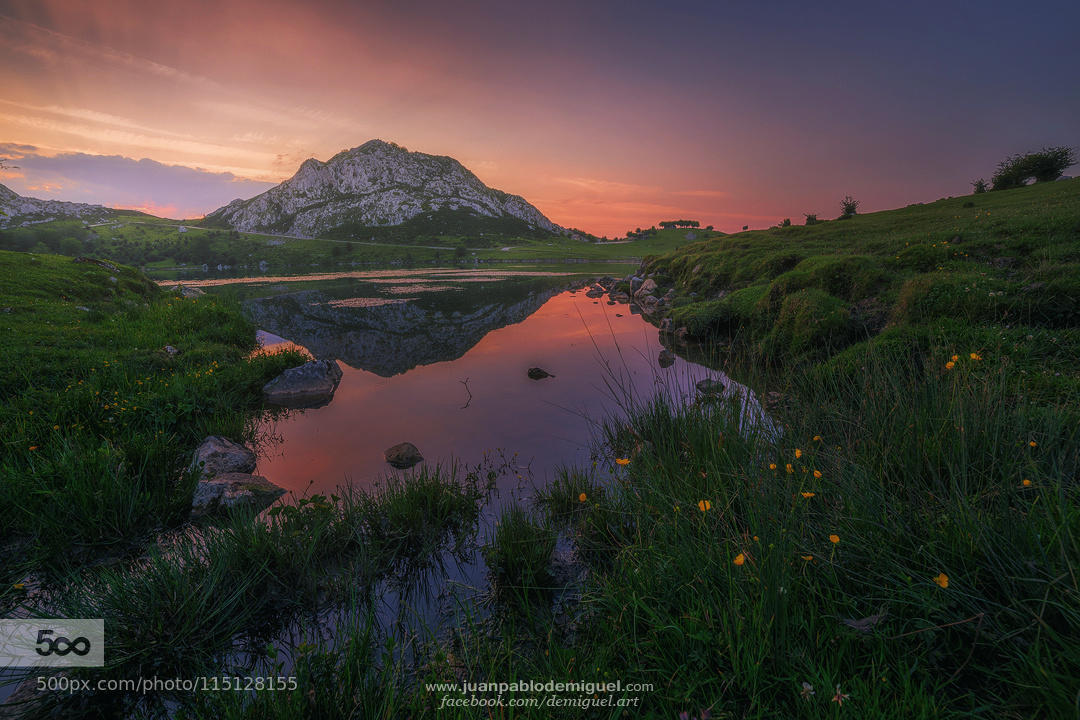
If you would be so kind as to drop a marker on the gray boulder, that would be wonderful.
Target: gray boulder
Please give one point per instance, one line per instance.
(666, 358)
(635, 284)
(308, 386)
(218, 455)
(594, 292)
(233, 491)
(403, 455)
(620, 297)
(647, 288)
(648, 304)
(189, 292)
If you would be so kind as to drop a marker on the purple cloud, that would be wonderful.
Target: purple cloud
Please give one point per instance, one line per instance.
(117, 181)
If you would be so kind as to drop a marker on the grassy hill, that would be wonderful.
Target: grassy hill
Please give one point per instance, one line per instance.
(988, 270)
(97, 417)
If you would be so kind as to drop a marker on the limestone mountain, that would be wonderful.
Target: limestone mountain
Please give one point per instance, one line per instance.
(378, 185)
(16, 209)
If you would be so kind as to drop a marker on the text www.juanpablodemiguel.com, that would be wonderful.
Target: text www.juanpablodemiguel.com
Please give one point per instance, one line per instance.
(539, 694)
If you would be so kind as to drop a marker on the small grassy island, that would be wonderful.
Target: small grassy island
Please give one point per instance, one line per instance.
(901, 539)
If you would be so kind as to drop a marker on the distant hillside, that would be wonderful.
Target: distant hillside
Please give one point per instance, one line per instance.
(378, 185)
(17, 210)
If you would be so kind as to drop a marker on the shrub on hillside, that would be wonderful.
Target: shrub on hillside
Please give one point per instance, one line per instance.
(1046, 165)
(848, 206)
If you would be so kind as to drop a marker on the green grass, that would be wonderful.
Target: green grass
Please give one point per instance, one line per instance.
(519, 553)
(98, 420)
(732, 605)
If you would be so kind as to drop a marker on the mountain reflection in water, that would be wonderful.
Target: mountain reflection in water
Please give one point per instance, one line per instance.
(447, 371)
(390, 336)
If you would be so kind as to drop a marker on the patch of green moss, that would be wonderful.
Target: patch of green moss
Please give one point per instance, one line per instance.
(811, 322)
(722, 316)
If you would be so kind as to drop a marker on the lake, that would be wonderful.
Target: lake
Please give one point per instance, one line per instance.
(439, 358)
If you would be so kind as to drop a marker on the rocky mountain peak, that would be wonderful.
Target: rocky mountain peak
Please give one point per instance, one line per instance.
(375, 184)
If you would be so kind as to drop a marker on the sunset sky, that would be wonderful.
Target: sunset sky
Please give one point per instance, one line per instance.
(605, 115)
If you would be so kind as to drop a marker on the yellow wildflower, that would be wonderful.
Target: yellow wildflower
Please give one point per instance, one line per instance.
(798, 453)
(807, 558)
(789, 468)
(975, 356)
(817, 474)
(582, 497)
(1026, 483)
(1032, 443)
(950, 365)
(954, 358)
(622, 461)
(808, 495)
(772, 466)
(739, 559)
(942, 580)
(704, 505)
(817, 438)
(834, 539)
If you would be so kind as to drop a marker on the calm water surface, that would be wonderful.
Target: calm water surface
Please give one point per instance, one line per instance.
(441, 360)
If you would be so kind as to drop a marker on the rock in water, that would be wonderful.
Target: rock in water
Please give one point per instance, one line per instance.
(594, 292)
(536, 373)
(233, 491)
(308, 386)
(403, 455)
(666, 358)
(219, 455)
(710, 387)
